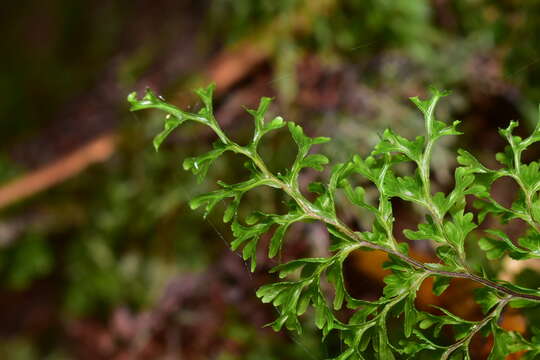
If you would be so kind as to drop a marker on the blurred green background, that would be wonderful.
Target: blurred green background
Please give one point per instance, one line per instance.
(100, 256)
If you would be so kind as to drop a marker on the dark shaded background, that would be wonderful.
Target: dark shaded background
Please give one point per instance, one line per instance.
(100, 256)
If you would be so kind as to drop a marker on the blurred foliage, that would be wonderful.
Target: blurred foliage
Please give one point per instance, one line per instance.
(120, 258)
(339, 26)
(116, 234)
(18, 271)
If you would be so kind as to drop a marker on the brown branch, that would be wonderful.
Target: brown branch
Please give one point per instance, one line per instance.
(98, 150)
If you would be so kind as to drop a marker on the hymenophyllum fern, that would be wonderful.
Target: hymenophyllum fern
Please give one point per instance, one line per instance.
(447, 223)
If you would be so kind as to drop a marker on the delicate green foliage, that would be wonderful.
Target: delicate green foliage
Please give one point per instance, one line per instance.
(199, 165)
(440, 284)
(261, 128)
(426, 231)
(486, 298)
(457, 229)
(303, 160)
(448, 223)
(508, 342)
(395, 143)
(496, 248)
(228, 191)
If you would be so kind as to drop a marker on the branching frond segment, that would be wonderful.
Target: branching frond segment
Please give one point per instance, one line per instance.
(448, 223)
